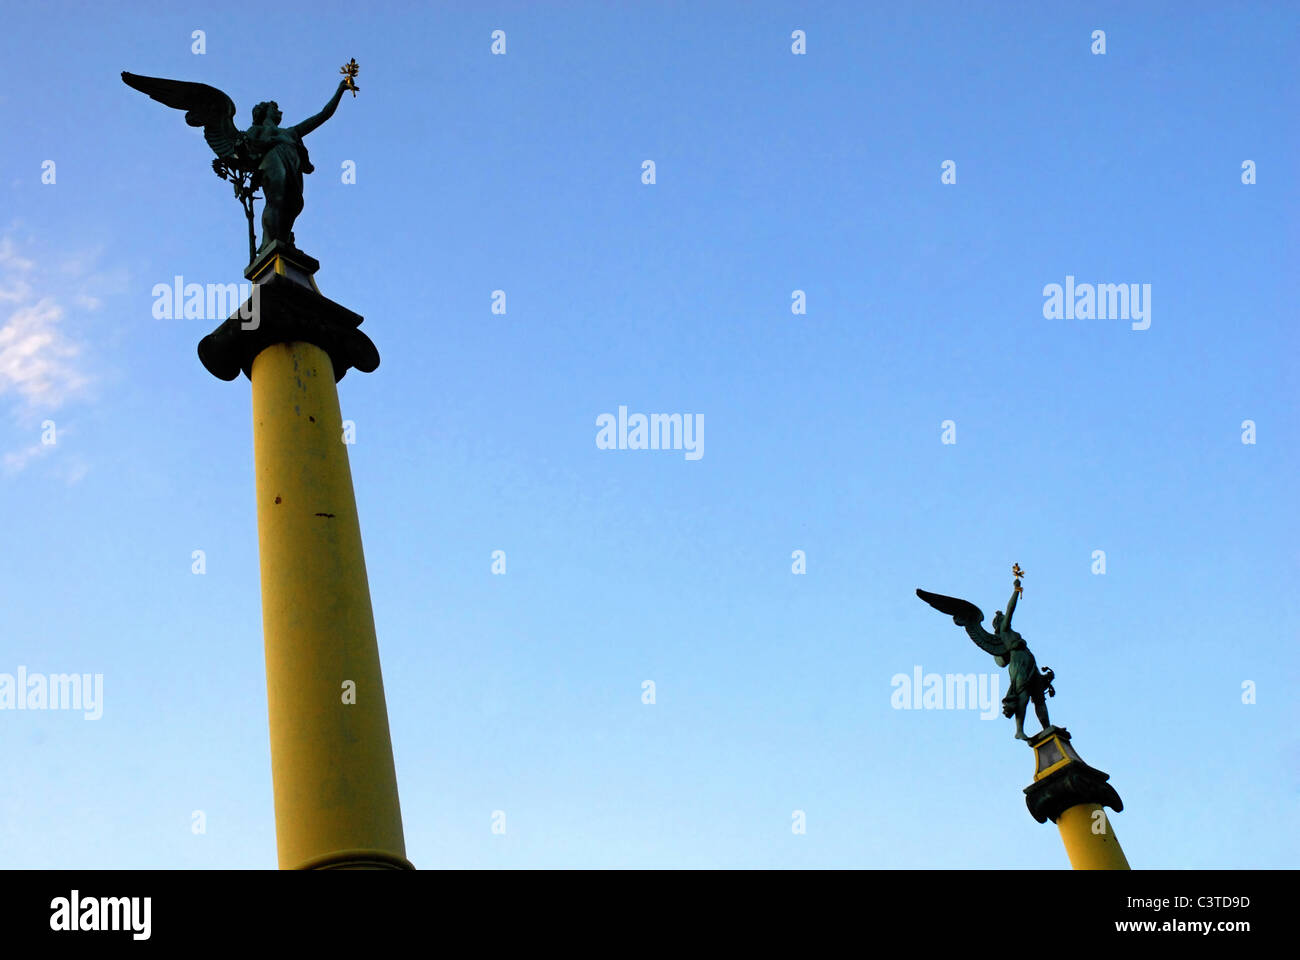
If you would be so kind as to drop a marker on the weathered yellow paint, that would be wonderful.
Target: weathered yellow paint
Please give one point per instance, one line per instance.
(332, 768)
(1088, 850)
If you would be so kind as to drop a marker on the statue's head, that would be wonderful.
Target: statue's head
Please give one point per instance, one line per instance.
(265, 109)
(997, 622)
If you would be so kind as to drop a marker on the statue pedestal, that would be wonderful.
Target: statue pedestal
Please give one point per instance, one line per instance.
(1071, 794)
(285, 260)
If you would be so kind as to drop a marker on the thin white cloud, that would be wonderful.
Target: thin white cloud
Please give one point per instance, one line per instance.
(10, 260)
(18, 459)
(37, 360)
(68, 467)
(15, 290)
(41, 364)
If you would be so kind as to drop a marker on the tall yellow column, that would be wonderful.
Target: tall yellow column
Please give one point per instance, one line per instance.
(336, 804)
(1071, 794)
(331, 756)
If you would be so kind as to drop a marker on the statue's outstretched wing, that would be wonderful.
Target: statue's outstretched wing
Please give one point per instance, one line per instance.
(204, 106)
(966, 614)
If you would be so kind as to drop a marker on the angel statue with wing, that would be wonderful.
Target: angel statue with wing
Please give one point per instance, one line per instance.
(266, 155)
(1008, 649)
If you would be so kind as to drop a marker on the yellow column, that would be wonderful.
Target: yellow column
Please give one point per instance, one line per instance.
(332, 768)
(1089, 839)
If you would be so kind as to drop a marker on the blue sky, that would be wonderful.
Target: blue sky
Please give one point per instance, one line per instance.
(774, 173)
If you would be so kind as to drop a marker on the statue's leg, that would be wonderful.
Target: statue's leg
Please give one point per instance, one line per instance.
(273, 209)
(293, 203)
(1021, 704)
(1040, 708)
(270, 218)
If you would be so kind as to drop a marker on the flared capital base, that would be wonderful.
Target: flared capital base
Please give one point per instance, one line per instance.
(285, 307)
(1062, 780)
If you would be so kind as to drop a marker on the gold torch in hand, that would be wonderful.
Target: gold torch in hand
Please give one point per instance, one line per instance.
(350, 71)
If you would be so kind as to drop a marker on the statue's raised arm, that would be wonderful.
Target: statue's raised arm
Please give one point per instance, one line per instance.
(311, 123)
(1011, 607)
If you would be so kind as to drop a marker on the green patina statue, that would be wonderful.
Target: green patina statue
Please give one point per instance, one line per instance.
(1008, 649)
(266, 156)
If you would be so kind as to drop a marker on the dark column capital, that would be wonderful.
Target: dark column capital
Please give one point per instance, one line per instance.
(286, 307)
(1063, 780)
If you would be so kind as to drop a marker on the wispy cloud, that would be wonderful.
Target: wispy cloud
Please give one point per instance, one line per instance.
(14, 285)
(15, 290)
(42, 365)
(9, 258)
(18, 459)
(38, 362)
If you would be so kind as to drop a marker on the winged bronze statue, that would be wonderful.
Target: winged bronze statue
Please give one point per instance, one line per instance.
(1008, 649)
(266, 156)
